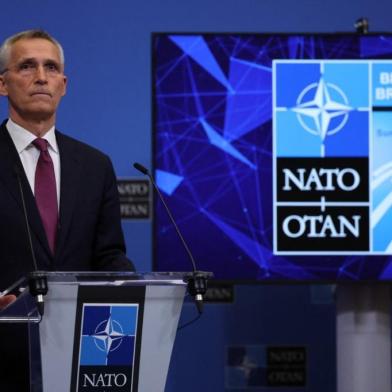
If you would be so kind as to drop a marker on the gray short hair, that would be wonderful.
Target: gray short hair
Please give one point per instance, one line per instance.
(28, 34)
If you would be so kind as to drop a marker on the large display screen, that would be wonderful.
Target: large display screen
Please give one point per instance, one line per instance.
(274, 153)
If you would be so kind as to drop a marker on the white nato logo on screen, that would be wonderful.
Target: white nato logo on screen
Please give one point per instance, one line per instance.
(322, 109)
(108, 335)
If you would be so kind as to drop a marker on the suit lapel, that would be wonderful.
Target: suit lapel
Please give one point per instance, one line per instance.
(10, 159)
(70, 183)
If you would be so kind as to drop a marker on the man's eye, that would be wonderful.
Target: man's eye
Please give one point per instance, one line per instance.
(26, 66)
(51, 67)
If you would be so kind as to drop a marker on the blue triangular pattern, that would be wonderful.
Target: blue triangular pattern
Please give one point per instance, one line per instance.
(258, 253)
(282, 267)
(375, 46)
(220, 142)
(295, 45)
(250, 104)
(253, 249)
(351, 269)
(387, 273)
(195, 47)
(167, 182)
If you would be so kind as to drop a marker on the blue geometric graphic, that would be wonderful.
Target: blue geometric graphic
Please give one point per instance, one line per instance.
(224, 144)
(196, 48)
(376, 46)
(251, 247)
(167, 182)
(108, 334)
(249, 105)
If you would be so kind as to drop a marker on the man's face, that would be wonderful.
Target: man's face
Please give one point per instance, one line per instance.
(34, 81)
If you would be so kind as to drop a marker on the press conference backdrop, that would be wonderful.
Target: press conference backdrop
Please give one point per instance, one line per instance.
(277, 148)
(108, 104)
(108, 63)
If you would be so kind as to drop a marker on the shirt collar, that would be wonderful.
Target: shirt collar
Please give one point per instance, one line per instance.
(22, 138)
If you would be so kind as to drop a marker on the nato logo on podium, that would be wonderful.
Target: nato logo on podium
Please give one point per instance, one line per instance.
(107, 346)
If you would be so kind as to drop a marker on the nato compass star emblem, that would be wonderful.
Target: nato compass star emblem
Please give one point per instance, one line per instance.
(322, 109)
(108, 335)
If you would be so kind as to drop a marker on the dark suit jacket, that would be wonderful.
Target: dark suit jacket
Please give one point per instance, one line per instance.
(89, 234)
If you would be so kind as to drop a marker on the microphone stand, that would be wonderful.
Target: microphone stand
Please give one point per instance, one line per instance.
(196, 280)
(38, 284)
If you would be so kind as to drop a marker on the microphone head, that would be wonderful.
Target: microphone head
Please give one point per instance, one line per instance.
(197, 287)
(141, 168)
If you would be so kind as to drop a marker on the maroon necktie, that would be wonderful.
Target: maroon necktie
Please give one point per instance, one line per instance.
(45, 192)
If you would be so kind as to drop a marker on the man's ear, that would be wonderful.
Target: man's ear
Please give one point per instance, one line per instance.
(3, 88)
(65, 86)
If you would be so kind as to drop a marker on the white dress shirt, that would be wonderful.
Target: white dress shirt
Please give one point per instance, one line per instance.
(29, 154)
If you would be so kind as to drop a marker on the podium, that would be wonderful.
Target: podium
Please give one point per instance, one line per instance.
(101, 331)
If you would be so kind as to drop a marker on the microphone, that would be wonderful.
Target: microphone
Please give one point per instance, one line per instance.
(197, 280)
(38, 284)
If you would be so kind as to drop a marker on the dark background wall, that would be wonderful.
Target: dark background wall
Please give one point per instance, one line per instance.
(108, 104)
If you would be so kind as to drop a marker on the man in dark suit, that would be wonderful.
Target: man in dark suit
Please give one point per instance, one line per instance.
(69, 188)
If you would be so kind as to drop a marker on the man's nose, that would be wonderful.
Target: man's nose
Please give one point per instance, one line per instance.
(40, 74)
